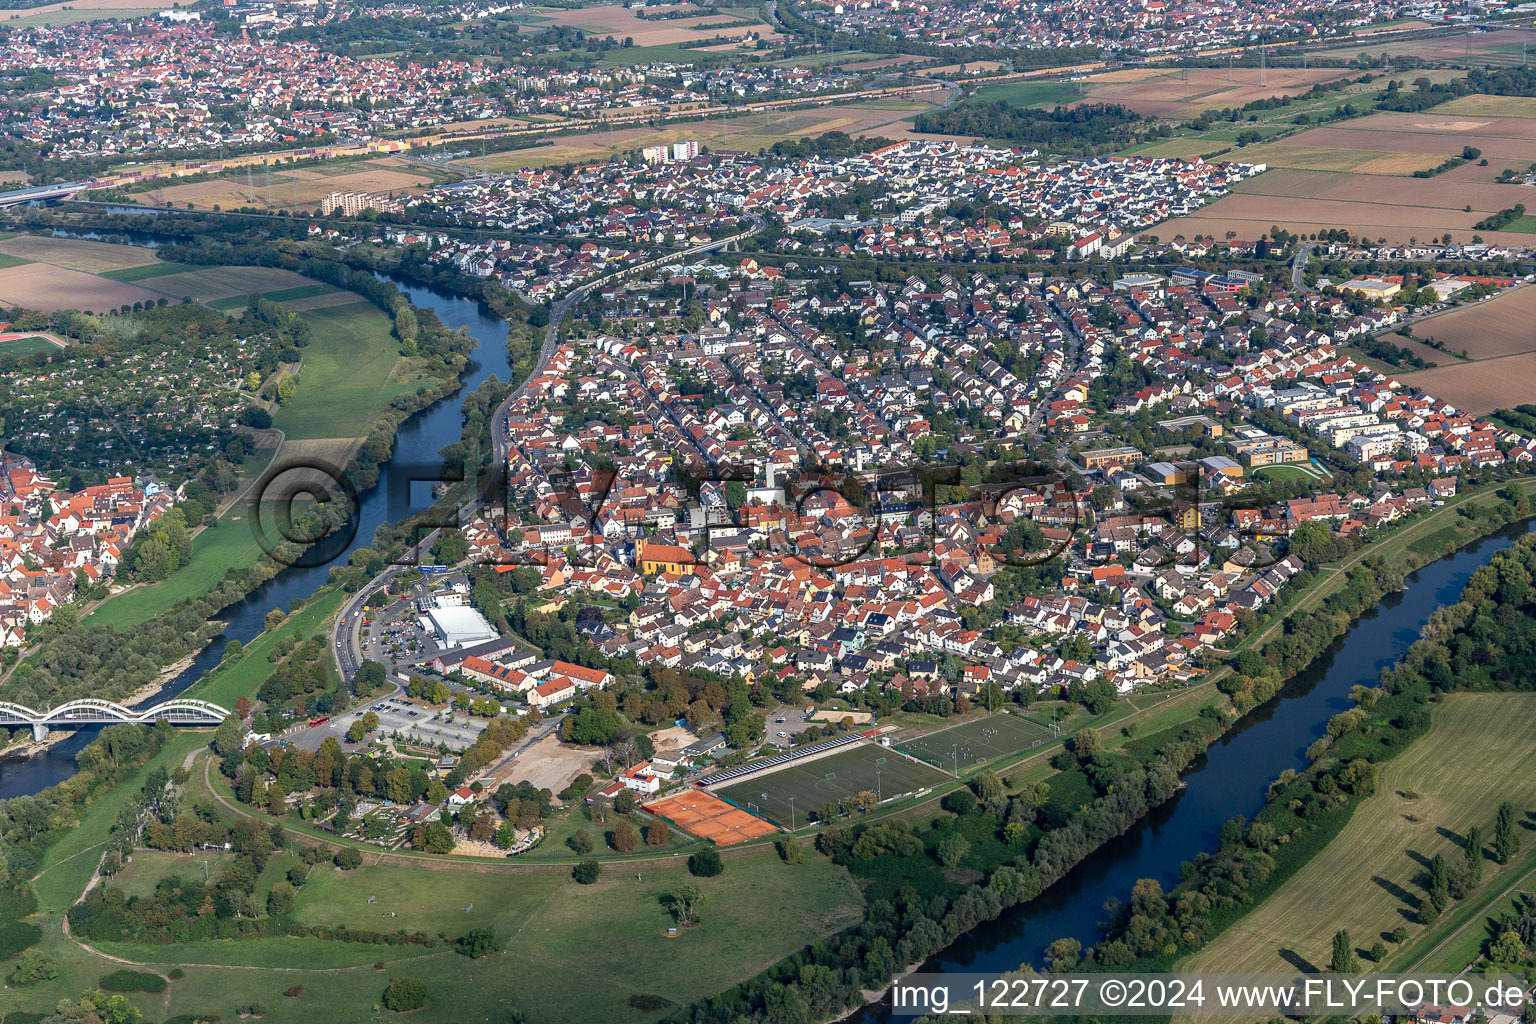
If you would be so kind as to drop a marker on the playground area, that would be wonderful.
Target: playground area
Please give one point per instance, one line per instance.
(963, 748)
(790, 795)
(707, 816)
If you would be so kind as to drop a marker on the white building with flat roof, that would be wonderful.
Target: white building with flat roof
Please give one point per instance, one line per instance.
(459, 626)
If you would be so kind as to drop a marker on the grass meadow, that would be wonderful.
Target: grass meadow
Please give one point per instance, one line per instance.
(1371, 877)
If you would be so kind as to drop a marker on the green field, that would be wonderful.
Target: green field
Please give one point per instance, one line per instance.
(7, 261)
(790, 794)
(70, 16)
(424, 900)
(1526, 224)
(303, 291)
(149, 867)
(228, 544)
(227, 682)
(1031, 94)
(26, 346)
(1369, 878)
(147, 271)
(347, 376)
(1304, 472)
(757, 912)
(970, 745)
(669, 52)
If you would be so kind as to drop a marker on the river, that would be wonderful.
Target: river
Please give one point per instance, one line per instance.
(1229, 779)
(417, 442)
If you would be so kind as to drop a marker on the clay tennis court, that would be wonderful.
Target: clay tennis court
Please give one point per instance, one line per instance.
(708, 817)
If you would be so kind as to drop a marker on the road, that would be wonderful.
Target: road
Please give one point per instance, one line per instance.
(345, 635)
(1299, 266)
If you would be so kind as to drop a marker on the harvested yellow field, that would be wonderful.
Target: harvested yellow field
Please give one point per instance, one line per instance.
(1480, 386)
(47, 287)
(77, 253)
(620, 22)
(1328, 158)
(1483, 105)
(301, 188)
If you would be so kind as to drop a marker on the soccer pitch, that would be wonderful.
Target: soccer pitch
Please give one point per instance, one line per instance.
(794, 792)
(966, 747)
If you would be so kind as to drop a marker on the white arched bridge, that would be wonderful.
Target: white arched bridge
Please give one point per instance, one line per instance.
(91, 711)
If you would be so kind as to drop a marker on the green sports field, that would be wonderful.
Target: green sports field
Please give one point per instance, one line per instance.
(964, 748)
(792, 793)
(26, 346)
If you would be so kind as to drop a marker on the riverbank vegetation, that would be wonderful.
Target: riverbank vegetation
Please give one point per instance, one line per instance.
(1439, 799)
(1481, 645)
(31, 825)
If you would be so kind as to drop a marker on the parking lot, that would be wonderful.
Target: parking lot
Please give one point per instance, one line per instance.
(416, 723)
(426, 725)
(785, 723)
(394, 638)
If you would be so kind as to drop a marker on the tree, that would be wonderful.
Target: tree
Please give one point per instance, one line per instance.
(586, 871)
(1507, 949)
(1063, 955)
(624, 838)
(1506, 841)
(685, 901)
(348, 858)
(580, 842)
(450, 548)
(1473, 853)
(952, 849)
(1439, 883)
(404, 994)
(1378, 951)
(229, 737)
(478, 942)
(1343, 961)
(656, 833)
(961, 802)
(1086, 743)
(31, 968)
(706, 863)
(792, 850)
(280, 899)
(285, 389)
